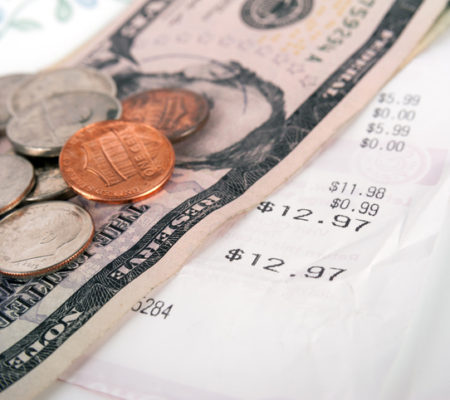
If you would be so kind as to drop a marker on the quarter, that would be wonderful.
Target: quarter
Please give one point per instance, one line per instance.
(50, 185)
(117, 161)
(43, 237)
(8, 83)
(43, 128)
(46, 84)
(16, 180)
(176, 112)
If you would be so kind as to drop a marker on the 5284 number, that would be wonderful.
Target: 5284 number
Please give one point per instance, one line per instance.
(152, 307)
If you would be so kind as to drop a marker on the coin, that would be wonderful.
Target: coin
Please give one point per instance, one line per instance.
(43, 128)
(64, 80)
(8, 84)
(50, 185)
(16, 180)
(176, 112)
(43, 237)
(117, 161)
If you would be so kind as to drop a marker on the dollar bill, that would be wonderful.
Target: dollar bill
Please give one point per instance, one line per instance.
(280, 78)
(439, 27)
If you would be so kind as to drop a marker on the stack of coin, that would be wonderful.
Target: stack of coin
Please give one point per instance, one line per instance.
(72, 113)
(42, 112)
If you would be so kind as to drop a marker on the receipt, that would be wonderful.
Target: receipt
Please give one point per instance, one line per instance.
(311, 294)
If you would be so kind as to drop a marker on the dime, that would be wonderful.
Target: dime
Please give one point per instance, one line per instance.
(8, 84)
(46, 84)
(117, 161)
(50, 185)
(176, 112)
(16, 180)
(42, 237)
(43, 128)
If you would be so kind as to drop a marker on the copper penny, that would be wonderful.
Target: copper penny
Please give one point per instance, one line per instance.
(176, 112)
(117, 161)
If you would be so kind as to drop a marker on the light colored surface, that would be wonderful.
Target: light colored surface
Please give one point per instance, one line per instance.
(62, 25)
(420, 370)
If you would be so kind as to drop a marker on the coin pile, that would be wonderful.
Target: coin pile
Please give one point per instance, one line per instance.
(73, 114)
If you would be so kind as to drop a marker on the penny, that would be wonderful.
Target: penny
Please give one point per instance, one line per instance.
(43, 237)
(64, 80)
(16, 180)
(50, 185)
(117, 161)
(43, 128)
(176, 112)
(8, 84)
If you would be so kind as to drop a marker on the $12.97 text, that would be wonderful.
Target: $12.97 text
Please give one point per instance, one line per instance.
(305, 214)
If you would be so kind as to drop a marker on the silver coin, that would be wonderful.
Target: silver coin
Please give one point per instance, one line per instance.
(50, 185)
(42, 129)
(64, 80)
(8, 84)
(16, 180)
(42, 237)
